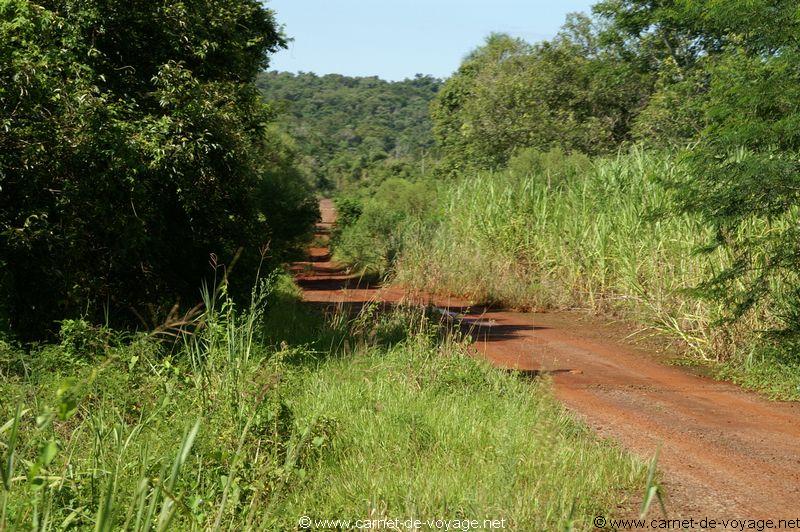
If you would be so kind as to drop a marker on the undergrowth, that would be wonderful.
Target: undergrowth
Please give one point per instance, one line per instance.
(249, 419)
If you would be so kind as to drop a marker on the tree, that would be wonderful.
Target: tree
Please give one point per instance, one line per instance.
(133, 145)
(744, 168)
(570, 92)
(354, 130)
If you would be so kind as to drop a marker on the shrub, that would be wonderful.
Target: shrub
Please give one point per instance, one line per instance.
(348, 210)
(371, 242)
(80, 340)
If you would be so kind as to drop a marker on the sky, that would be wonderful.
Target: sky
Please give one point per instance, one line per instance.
(396, 39)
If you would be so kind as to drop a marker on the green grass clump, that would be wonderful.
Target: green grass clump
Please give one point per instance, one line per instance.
(426, 431)
(772, 373)
(234, 428)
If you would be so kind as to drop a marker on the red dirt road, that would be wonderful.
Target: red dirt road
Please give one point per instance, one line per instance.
(725, 453)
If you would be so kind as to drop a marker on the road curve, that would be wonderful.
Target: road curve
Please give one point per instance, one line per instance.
(725, 453)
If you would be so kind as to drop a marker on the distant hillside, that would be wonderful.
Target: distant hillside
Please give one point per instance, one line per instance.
(354, 129)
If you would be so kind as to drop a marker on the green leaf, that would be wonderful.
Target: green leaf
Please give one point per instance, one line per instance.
(67, 399)
(48, 452)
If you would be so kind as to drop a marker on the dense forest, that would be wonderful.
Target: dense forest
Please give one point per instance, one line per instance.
(159, 367)
(354, 132)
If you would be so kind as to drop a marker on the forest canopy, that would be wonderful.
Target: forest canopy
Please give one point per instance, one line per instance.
(354, 130)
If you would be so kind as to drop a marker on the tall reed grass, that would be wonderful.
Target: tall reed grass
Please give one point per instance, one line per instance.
(557, 231)
(570, 237)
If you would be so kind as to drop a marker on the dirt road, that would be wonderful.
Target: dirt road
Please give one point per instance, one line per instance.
(725, 453)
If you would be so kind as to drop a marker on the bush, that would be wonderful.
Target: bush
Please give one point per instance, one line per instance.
(371, 241)
(82, 341)
(348, 211)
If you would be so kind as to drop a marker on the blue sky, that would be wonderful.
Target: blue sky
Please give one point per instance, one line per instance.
(395, 39)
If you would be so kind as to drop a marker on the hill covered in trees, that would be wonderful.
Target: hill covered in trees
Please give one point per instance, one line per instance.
(354, 130)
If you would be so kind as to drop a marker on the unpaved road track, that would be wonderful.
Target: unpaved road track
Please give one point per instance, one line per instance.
(725, 453)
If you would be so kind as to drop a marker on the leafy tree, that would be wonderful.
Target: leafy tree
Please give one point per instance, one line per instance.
(746, 178)
(570, 92)
(132, 145)
(457, 125)
(745, 164)
(675, 113)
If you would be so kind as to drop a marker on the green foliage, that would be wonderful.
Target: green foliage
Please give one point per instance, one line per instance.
(81, 344)
(718, 79)
(560, 231)
(452, 130)
(428, 429)
(354, 131)
(371, 241)
(746, 173)
(571, 92)
(676, 111)
(81, 339)
(134, 145)
(348, 210)
(553, 168)
(741, 88)
(774, 371)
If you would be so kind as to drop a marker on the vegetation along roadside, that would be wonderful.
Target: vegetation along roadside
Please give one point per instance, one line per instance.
(160, 368)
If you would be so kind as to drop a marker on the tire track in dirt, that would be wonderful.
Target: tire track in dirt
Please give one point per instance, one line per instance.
(725, 453)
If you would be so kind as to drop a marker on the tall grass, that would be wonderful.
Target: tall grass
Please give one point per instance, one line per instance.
(559, 231)
(147, 434)
(565, 237)
(236, 428)
(428, 432)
